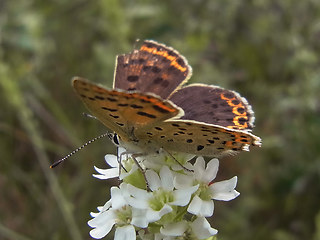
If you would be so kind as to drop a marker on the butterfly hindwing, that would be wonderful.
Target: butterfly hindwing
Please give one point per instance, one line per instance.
(199, 138)
(214, 105)
(155, 68)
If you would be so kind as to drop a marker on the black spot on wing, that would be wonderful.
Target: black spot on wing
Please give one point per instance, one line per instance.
(123, 104)
(114, 116)
(135, 106)
(241, 110)
(109, 109)
(235, 101)
(155, 69)
(99, 97)
(111, 99)
(242, 121)
(146, 114)
(200, 147)
(146, 68)
(133, 78)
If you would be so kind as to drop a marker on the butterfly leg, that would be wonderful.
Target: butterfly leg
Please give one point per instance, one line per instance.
(189, 170)
(120, 162)
(134, 157)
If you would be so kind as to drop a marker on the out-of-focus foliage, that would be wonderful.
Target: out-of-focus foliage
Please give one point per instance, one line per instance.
(266, 50)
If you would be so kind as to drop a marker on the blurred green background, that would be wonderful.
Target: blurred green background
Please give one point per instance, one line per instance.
(266, 50)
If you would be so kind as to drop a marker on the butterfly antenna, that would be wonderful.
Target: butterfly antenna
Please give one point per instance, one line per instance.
(79, 148)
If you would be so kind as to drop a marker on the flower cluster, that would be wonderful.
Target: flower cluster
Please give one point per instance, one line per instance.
(170, 198)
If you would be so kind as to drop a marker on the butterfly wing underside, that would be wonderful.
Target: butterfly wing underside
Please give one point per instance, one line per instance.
(199, 138)
(122, 112)
(154, 68)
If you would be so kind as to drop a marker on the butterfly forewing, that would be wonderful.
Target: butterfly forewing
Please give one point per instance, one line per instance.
(214, 105)
(123, 111)
(155, 68)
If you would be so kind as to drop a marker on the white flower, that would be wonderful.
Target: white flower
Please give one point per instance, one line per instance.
(102, 221)
(156, 202)
(199, 228)
(174, 161)
(162, 197)
(128, 166)
(202, 204)
(115, 212)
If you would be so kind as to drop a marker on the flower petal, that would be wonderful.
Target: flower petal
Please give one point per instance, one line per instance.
(199, 167)
(102, 218)
(224, 190)
(200, 207)
(111, 160)
(126, 232)
(139, 218)
(99, 233)
(153, 216)
(117, 199)
(174, 229)
(211, 171)
(137, 198)
(182, 196)
(102, 224)
(182, 181)
(202, 229)
(106, 173)
(153, 180)
(166, 177)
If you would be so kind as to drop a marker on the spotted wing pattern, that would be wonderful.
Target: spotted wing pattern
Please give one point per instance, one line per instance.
(198, 138)
(124, 112)
(155, 68)
(214, 105)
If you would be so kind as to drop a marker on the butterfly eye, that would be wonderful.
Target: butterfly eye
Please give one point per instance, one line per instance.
(115, 139)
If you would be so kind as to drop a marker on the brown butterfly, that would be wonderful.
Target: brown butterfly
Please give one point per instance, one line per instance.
(149, 109)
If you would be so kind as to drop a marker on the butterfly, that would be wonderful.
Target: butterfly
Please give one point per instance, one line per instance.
(150, 109)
